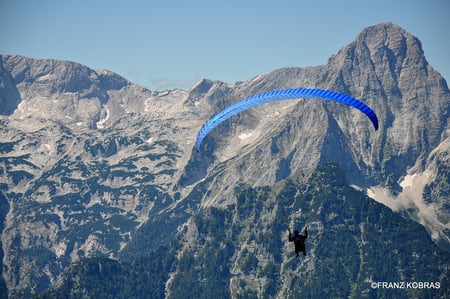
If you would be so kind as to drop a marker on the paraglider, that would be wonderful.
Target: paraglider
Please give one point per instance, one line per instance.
(280, 95)
(299, 241)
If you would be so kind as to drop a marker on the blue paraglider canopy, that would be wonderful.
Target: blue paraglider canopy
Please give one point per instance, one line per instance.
(280, 95)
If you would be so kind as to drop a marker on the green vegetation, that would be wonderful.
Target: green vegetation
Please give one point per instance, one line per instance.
(242, 251)
(145, 277)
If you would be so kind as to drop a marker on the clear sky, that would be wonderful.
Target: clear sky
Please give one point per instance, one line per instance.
(174, 43)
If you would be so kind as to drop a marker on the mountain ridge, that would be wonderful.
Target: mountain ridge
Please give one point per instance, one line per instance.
(92, 164)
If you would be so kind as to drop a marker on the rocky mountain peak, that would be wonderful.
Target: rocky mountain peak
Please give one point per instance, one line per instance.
(386, 68)
(379, 53)
(63, 91)
(56, 76)
(110, 80)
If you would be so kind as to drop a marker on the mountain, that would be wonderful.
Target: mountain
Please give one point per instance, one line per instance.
(354, 245)
(99, 173)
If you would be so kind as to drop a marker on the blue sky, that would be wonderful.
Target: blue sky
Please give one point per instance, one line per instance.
(175, 43)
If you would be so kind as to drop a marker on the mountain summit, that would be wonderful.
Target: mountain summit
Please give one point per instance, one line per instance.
(92, 165)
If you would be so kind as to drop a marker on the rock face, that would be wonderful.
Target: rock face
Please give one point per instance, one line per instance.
(91, 164)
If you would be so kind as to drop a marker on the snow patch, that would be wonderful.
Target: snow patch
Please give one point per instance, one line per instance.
(101, 123)
(146, 106)
(411, 198)
(356, 187)
(21, 109)
(245, 136)
(273, 114)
